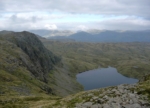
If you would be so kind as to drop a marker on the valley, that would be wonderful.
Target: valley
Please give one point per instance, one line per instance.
(38, 72)
(74, 54)
(130, 59)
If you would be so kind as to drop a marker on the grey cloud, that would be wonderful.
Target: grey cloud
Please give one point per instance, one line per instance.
(34, 19)
(16, 19)
(111, 24)
(21, 8)
(123, 24)
(1, 6)
(115, 7)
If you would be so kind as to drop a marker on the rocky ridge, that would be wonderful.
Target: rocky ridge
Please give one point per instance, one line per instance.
(121, 96)
(41, 60)
(27, 67)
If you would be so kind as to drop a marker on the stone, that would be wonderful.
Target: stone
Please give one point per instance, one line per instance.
(95, 98)
(95, 106)
(106, 106)
(131, 102)
(116, 105)
(113, 90)
(131, 95)
(91, 100)
(135, 100)
(144, 102)
(78, 105)
(90, 94)
(117, 93)
(100, 101)
(87, 104)
(136, 106)
(105, 97)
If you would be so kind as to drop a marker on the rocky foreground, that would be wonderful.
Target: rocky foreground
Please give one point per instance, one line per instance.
(121, 96)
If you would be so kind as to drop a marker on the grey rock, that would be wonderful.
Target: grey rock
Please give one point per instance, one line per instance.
(113, 90)
(106, 106)
(132, 106)
(131, 102)
(105, 97)
(87, 104)
(144, 102)
(90, 94)
(78, 105)
(131, 95)
(118, 93)
(95, 98)
(116, 105)
(95, 106)
(135, 100)
(100, 101)
(136, 106)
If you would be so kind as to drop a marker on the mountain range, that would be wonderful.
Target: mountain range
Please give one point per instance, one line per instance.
(98, 35)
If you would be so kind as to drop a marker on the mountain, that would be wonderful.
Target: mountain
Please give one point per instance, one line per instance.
(24, 64)
(52, 33)
(41, 59)
(112, 36)
(28, 68)
(109, 36)
(31, 76)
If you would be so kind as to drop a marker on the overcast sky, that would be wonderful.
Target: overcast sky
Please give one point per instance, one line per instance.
(74, 14)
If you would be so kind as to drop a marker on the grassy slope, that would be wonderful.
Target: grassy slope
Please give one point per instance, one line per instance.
(15, 80)
(130, 59)
(20, 88)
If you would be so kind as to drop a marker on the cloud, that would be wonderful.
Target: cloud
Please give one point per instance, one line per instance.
(115, 7)
(128, 23)
(82, 27)
(51, 26)
(74, 14)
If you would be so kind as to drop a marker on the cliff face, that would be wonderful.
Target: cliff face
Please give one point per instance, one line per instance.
(25, 64)
(41, 60)
(27, 67)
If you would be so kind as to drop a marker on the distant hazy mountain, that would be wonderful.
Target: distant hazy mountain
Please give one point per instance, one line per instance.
(95, 35)
(112, 36)
(51, 33)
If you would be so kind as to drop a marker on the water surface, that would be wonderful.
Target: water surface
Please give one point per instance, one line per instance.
(103, 77)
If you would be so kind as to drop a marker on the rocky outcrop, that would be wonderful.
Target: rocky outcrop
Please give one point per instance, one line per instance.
(41, 60)
(27, 61)
(121, 96)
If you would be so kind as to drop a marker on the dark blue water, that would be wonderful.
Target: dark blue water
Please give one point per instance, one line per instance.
(103, 77)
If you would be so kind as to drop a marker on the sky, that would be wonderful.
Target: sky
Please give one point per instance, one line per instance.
(74, 15)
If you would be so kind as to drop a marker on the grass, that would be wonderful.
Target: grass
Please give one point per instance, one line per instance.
(19, 88)
(130, 59)
(27, 101)
(144, 86)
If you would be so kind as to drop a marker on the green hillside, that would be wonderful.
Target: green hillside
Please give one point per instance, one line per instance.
(29, 72)
(130, 59)
(35, 75)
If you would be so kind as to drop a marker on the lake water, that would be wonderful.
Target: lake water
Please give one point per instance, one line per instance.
(103, 77)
